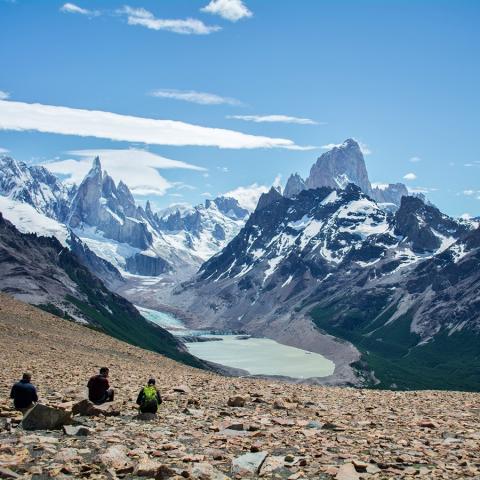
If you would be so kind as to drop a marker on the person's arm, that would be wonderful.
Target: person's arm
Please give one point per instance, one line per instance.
(12, 392)
(140, 397)
(89, 384)
(34, 395)
(159, 397)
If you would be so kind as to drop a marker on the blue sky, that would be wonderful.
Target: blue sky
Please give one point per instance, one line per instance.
(400, 76)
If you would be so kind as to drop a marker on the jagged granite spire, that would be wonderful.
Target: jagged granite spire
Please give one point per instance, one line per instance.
(295, 184)
(341, 165)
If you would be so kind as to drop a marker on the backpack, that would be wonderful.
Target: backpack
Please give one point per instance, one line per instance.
(149, 395)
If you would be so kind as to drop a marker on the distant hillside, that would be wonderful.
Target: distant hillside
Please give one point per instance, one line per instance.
(41, 271)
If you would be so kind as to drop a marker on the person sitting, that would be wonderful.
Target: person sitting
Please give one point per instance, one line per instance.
(149, 398)
(99, 390)
(24, 394)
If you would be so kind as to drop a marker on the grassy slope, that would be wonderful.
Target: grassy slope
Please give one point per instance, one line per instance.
(118, 317)
(448, 362)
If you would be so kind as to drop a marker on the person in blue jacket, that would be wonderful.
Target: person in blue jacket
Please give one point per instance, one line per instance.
(24, 394)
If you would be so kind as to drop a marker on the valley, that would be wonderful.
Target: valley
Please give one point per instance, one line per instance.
(379, 284)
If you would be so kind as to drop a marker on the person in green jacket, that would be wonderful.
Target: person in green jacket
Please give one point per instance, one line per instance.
(149, 398)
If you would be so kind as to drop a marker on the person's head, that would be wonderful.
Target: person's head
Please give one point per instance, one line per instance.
(104, 371)
(26, 377)
(151, 381)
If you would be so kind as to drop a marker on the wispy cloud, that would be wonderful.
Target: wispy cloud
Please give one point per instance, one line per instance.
(192, 96)
(274, 119)
(475, 163)
(232, 10)
(410, 176)
(187, 26)
(139, 169)
(72, 8)
(22, 116)
(415, 159)
(3, 150)
(4, 95)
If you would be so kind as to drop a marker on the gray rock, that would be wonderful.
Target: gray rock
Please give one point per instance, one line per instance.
(295, 184)
(146, 417)
(340, 166)
(42, 417)
(76, 430)
(248, 464)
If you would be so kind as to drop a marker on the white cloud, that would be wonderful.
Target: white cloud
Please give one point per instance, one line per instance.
(364, 148)
(410, 176)
(72, 8)
(192, 96)
(4, 95)
(21, 116)
(274, 119)
(232, 10)
(466, 216)
(206, 194)
(188, 26)
(137, 168)
(415, 159)
(223, 169)
(469, 193)
(475, 163)
(3, 150)
(248, 196)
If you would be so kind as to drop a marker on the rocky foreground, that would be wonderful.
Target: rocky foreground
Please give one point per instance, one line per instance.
(271, 430)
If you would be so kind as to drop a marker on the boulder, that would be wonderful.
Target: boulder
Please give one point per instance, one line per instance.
(147, 468)
(42, 417)
(347, 472)
(7, 473)
(248, 464)
(87, 408)
(236, 401)
(205, 471)
(115, 457)
(76, 430)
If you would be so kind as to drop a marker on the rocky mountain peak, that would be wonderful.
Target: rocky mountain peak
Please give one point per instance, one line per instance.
(34, 185)
(339, 166)
(230, 207)
(295, 184)
(268, 198)
(425, 227)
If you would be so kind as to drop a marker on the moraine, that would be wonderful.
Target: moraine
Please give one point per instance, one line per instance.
(257, 356)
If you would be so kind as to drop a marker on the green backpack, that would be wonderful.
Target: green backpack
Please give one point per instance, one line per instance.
(149, 394)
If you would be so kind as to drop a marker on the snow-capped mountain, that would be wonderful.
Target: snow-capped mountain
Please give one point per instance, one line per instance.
(35, 186)
(101, 217)
(345, 164)
(337, 250)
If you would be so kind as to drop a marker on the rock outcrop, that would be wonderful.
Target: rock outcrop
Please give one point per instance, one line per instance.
(111, 209)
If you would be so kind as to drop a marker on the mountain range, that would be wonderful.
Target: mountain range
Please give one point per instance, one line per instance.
(376, 279)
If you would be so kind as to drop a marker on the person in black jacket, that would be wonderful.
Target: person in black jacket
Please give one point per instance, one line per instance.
(149, 398)
(24, 394)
